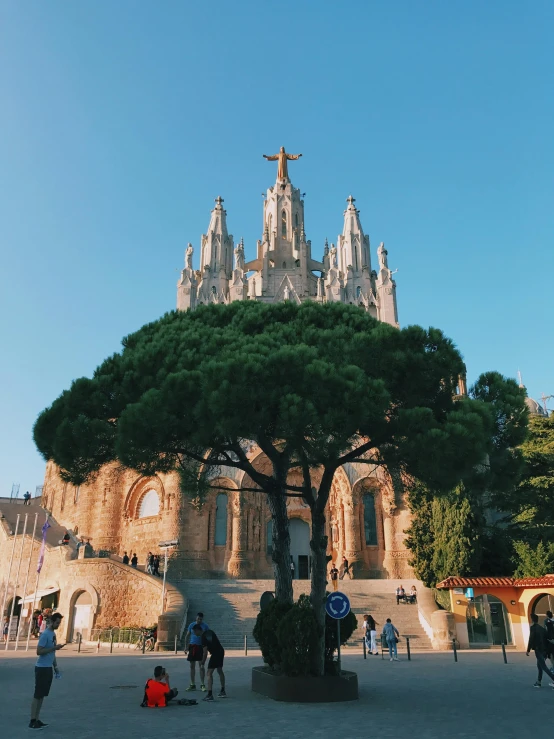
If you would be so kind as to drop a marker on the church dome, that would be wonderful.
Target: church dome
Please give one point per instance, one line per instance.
(535, 409)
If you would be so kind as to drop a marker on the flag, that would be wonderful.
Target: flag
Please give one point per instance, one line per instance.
(45, 528)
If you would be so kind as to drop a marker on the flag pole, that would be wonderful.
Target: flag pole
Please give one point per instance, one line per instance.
(45, 528)
(10, 567)
(16, 582)
(27, 582)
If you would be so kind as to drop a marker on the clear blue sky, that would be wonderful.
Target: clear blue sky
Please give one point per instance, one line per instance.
(122, 121)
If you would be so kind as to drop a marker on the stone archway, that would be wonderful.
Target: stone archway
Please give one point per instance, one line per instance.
(83, 606)
(299, 531)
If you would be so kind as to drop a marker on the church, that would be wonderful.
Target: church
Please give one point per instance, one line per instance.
(231, 534)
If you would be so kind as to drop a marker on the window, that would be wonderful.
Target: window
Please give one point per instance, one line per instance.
(284, 224)
(358, 292)
(269, 533)
(296, 220)
(149, 505)
(221, 520)
(370, 520)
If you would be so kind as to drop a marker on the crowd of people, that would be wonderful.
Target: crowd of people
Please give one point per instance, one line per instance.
(152, 565)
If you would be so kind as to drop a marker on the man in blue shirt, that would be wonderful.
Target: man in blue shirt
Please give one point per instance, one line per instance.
(193, 643)
(45, 666)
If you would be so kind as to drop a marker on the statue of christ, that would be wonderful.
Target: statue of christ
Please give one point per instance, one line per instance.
(282, 156)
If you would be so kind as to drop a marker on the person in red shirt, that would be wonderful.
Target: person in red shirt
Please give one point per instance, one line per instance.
(157, 691)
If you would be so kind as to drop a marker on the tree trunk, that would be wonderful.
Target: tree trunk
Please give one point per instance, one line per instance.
(281, 548)
(318, 545)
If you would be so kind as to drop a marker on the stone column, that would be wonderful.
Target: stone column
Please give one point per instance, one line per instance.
(395, 521)
(353, 541)
(238, 562)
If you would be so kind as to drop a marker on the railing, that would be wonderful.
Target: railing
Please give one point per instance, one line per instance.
(118, 636)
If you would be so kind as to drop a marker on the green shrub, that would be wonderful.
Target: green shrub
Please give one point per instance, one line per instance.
(442, 599)
(265, 631)
(298, 635)
(348, 626)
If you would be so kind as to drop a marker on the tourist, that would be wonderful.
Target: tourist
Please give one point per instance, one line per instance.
(538, 643)
(125, 558)
(346, 569)
(413, 594)
(134, 561)
(370, 634)
(157, 691)
(27, 498)
(193, 644)
(45, 615)
(156, 566)
(45, 668)
(390, 632)
(549, 627)
(334, 577)
(6, 628)
(66, 538)
(81, 543)
(400, 594)
(291, 567)
(211, 644)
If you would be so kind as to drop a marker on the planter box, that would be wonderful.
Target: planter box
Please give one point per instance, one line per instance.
(327, 689)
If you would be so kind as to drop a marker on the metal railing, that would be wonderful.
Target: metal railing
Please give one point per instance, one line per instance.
(120, 637)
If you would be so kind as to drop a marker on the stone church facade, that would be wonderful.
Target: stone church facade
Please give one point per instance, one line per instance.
(230, 535)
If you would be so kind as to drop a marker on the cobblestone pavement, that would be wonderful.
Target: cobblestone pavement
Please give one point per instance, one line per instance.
(429, 697)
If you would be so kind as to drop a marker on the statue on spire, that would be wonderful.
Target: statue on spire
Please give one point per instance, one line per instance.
(282, 157)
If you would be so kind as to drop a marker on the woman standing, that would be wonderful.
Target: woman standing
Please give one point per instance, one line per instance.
(370, 634)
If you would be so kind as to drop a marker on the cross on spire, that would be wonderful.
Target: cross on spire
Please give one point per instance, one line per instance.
(219, 200)
(350, 200)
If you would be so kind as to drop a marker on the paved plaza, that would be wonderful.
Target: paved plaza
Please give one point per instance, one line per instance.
(429, 697)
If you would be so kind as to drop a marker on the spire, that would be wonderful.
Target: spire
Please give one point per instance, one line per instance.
(520, 379)
(217, 244)
(353, 244)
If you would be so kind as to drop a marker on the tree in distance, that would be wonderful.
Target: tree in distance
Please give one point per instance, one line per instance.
(313, 386)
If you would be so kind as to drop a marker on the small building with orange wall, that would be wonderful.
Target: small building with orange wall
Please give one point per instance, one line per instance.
(489, 611)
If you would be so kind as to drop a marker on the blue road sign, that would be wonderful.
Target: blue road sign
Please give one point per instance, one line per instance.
(337, 605)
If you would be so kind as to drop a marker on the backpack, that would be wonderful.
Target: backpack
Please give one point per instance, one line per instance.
(549, 626)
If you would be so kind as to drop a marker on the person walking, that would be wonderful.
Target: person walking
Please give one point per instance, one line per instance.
(6, 628)
(150, 563)
(193, 645)
(538, 643)
(156, 566)
(346, 569)
(549, 628)
(45, 668)
(334, 577)
(370, 634)
(125, 558)
(390, 632)
(134, 561)
(211, 644)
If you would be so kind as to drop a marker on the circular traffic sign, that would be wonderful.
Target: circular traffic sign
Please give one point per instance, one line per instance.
(337, 605)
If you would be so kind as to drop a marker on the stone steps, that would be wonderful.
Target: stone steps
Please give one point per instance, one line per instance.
(230, 607)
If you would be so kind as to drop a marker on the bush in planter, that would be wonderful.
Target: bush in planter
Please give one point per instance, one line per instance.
(265, 631)
(348, 626)
(298, 635)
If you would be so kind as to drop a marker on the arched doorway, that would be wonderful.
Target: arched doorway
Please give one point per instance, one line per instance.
(543, 604)
(14, 618)
(82, 616)
(299, 532)
(488, 622)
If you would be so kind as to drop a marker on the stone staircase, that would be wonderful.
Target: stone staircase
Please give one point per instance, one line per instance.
(230, 607)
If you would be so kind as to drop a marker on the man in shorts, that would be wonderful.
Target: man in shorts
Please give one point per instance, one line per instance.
(45, 667)
(193, 644)
(211, 644)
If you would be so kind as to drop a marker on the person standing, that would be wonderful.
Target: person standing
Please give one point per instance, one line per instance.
(291, 567)
(390, 632)
(149, 563)
(27, 498)
(134, 561)
(211, 644)
(346, 569)
(193, 645)
(125, 558)
(370, 632)
(45, 668)
(538, 643)
(6, 628)
(156, 566)
(334, 577)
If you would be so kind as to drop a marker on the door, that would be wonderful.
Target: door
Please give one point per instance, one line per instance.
(300, 547)
(498, 625)
(81, 622)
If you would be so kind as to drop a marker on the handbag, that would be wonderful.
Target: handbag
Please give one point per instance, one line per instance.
(396, 639)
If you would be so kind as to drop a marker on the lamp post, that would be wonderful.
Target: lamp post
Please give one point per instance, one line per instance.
(166, 545)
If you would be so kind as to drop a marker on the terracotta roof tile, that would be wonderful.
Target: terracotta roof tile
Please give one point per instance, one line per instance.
(498, 582)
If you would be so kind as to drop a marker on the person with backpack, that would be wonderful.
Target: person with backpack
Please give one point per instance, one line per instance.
(390, 632)
(538, 643)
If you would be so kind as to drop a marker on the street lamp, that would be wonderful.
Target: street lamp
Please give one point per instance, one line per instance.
(165, 545)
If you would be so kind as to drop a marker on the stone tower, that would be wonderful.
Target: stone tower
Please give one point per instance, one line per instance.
(284, 268)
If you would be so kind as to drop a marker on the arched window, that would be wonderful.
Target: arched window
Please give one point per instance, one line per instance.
(284, 265)
(370, 520)
(284, 224)
(358, 292)
(269, 533)
(221, 520)
(296, 220)
(269, 224)
(149, 504)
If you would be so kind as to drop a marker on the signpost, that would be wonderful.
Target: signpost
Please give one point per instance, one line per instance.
(165, 545)
(337, 606)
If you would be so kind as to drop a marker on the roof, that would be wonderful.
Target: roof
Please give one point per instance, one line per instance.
(546, 581)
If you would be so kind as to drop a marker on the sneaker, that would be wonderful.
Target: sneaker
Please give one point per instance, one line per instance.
(203, 688)
(396, 659)
(39, 724)
(209, 698)
(537, 684)
(551, 685)
(192, 686)
(222, 694)
(391, 660)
